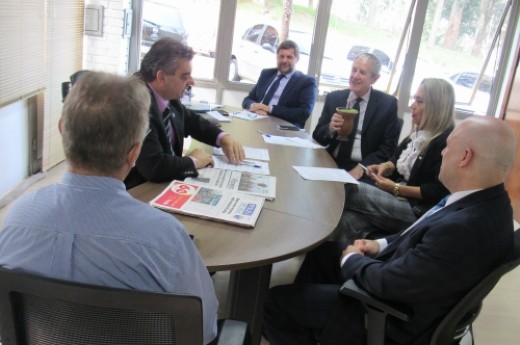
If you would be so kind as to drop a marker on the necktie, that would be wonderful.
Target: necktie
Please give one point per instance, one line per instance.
(412, 228)
(431, 211)
(274, 86)
(167, 114)
(345, 146)
(437, 207)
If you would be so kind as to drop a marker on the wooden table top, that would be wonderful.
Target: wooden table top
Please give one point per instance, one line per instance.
(302, 216)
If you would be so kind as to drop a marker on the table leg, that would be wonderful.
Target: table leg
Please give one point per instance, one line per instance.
(247, 288)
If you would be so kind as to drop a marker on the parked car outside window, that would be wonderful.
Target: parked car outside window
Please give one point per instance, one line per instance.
(161, 21)
(256, 50)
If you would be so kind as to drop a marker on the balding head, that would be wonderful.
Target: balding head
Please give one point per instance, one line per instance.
(478, 154)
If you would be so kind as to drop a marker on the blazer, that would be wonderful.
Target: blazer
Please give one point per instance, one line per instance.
(424, 173)
(159, 161)
(431, 267)
(379, 134)
(296, 101)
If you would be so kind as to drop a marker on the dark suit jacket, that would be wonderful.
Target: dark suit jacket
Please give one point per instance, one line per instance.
(157, 161)
(425, 173)
(296, 101)
(438, 261)
(380, 131)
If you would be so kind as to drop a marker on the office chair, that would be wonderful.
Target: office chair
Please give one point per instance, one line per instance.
(453, 327)
(39, 310)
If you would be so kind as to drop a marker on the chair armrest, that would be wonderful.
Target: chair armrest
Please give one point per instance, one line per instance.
(233, 332)
(351, 289)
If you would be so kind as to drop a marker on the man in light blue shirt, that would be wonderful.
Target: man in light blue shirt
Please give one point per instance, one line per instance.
(87, 228)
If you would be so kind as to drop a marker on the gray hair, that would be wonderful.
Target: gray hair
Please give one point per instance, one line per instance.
(376, 63)
(103, 117)
(163, 55)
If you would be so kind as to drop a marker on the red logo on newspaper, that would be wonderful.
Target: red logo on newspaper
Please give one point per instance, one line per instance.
(177, 195)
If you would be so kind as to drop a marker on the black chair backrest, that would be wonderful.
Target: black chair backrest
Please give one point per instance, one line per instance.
(66, 85)
(460, 318)
(38, 310)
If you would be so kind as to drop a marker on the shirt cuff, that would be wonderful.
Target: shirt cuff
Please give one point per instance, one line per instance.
(219, 138)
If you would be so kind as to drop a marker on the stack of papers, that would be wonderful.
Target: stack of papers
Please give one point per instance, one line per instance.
(251, 153)
(256, 167)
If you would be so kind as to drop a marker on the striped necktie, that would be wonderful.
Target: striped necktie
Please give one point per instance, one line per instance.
(167, 115)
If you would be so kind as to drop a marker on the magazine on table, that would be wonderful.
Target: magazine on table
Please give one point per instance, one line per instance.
(240, 181)
(210, 202)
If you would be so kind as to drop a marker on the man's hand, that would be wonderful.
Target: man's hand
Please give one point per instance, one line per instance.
(232, 149)
(357, 172)
(259, 108)
(367, 247)
(336, 122)
(201, 158)
(363, 247)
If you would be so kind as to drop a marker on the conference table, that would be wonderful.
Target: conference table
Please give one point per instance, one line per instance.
(303, 215)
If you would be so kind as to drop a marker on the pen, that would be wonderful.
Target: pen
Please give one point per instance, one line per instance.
(251, 164)
(267, 135)
(364, 167)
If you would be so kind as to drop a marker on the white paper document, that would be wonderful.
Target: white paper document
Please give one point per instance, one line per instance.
(247, 115)
(325, 174)
(255, 167)
(291, 141)
(218, 116)
(251, 153)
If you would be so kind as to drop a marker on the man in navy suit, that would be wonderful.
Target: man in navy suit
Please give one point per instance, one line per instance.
(428, 267)
(292, 98)
(375, 130)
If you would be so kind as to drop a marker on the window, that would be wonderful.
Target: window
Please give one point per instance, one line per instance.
(461, 43)
(192, 22)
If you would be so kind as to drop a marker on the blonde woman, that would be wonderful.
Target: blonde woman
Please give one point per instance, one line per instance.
(407, 185)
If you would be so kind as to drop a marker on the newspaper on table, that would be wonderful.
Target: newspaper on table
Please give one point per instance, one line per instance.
(210, 203)
(240, 181)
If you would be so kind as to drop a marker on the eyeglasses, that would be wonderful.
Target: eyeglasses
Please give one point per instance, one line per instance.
(251, 114)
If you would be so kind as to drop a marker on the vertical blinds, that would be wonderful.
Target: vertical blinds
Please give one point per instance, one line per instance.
(22, 47)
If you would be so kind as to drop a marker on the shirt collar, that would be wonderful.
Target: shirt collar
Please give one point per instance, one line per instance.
(92, 181)
(288, 75)
(162, 103)
(459, 195)
(352, 96)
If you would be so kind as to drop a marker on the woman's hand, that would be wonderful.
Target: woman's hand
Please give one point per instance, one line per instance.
(383, 183)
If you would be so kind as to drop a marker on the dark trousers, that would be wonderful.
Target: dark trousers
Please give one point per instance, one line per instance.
(312, 309)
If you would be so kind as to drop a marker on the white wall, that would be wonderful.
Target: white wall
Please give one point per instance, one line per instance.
(14, 145)
(109, 52)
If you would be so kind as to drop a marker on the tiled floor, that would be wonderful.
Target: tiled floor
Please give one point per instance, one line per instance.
(496, 325)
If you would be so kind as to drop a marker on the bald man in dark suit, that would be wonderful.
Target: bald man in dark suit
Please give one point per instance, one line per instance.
(427, 267)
